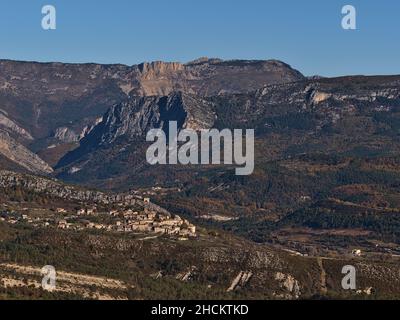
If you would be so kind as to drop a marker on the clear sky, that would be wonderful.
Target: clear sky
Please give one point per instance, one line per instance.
(307, 34)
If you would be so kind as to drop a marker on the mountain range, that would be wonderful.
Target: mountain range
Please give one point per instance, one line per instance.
(326, 176)
(53, 105)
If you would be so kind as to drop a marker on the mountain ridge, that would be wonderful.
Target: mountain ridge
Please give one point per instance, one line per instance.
(52, 104)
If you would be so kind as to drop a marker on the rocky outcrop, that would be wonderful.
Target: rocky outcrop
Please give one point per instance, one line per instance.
(208, 77)
(188, 275)
(289, 283)
(16, 152)
(65, 134)
(86, 130)
(240, 281)
(136, 116)
(14, 128)
(159, 68)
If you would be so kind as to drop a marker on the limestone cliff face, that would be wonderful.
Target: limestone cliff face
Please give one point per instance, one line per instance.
(208, 77)
(160, 78)
(137, 116)
(16, 152)
(158, 69)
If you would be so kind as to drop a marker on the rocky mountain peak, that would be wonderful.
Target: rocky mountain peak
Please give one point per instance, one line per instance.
(138, 115)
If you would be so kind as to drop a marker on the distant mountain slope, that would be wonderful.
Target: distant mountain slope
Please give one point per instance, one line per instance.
(13, 128)
(43, 97)
(354, 115)
(39, 223)
(136, 116)
(53, 105)
(20, 155)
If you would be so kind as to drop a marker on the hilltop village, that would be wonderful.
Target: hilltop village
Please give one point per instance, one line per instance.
(47, 203)
(145, 220)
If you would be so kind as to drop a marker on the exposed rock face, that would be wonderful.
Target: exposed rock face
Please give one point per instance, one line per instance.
(65, 134)
(326, 101)
(86, 130)
(289, 283)
(188, 275)
(240, 281)
(138, 115)
(16, 152)
(158, 68)
(13, 128)
(207, 77)
(318, 97)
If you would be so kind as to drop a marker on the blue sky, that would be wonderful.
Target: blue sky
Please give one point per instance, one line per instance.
(306, 34)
